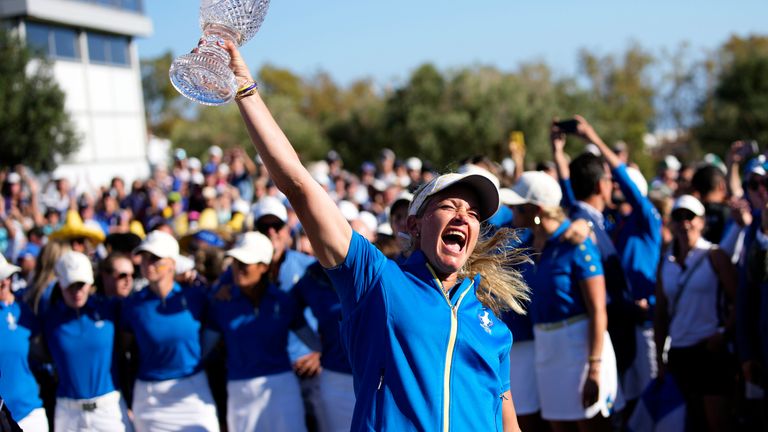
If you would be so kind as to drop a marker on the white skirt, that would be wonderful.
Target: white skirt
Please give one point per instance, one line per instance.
(561, 370)
(522, 380)
(270, 403)
(644, 368)
(183, 404)
(337, 401)
(105, 413)
(36, 420)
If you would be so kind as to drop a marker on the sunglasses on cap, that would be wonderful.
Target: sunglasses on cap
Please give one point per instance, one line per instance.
(755, 183)
(264, 226)
(682, 215)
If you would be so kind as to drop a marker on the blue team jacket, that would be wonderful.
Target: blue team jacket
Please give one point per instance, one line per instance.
(420, 361)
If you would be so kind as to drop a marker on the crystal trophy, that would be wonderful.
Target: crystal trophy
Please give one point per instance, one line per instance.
(204, 76)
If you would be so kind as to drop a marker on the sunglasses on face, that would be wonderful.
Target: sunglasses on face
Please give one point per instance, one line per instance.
(149, 258)
(77, 286)
(264, 227)
(682, 215)
(755, 183)
(121, 276)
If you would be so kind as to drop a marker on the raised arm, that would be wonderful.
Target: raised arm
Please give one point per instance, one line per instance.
(326, 228)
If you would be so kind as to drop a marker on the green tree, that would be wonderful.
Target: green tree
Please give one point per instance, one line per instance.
(621, 97)
(737, 106)
(37, 130)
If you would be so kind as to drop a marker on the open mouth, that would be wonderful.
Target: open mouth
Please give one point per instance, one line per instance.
(454, 240)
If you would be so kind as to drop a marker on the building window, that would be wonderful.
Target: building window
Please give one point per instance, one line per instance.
(53, 41)
(108, 49)
(130, 5)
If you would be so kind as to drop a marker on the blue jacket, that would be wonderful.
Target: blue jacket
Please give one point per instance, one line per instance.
(420, 361)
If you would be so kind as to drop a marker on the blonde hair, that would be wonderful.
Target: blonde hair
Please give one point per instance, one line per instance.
(44, 275)
(502, 287)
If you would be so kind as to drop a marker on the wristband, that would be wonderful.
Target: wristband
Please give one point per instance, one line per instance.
(246, 90)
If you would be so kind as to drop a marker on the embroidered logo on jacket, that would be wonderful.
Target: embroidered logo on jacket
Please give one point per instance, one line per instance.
(485, 321)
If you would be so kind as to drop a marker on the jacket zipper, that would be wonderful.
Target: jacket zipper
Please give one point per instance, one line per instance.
(449, 350)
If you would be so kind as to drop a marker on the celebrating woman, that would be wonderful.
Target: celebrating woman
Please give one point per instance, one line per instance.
(425, 344)
(575, 364)
(254, 316)
(171, 392)
(79, 330)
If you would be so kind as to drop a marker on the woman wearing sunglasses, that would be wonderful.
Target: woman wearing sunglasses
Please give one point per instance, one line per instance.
(427, 349)
(693, 275)
(79, 331)
(254, 316)
(165, 320)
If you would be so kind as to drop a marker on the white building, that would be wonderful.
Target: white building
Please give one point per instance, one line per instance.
(95, 61)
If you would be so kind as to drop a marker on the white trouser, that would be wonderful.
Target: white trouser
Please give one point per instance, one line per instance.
(270, 403)
(105, 413)
(183, 404)
(34, 421)
(337, 401)
(522, 379)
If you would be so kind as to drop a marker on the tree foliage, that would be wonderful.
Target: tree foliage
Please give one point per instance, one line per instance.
(737, 105)
(37, 130)
(447, 115)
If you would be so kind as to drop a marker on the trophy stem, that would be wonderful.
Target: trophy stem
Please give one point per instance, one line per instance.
(204, 76)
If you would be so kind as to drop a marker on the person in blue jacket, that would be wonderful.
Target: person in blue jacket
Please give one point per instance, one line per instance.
(79, 331)
(337, 397)
(18, 326)
(166, 320)
(576, 373)
(254, 316)
(427, 349)
(286, 268)
(637, 235)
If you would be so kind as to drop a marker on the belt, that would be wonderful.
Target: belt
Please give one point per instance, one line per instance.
(89, 405)
(560, 324)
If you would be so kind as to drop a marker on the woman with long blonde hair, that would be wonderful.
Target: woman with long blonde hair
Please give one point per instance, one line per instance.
(427, 348)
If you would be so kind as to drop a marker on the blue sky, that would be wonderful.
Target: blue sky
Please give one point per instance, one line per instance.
(386, 40)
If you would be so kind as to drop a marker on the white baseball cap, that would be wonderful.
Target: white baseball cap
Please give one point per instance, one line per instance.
(369, 220)
(184, 264)
(348, 209)
(215, 150)
(689, 202)
(270, 205)
(534, 187)
(73, 267)
(672, 163)
(7, 269)
(481, 182)
(13, 178)
(160, 244)
(251, 248)
(413, 163)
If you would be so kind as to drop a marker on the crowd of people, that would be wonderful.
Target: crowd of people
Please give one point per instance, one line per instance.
(269, 295)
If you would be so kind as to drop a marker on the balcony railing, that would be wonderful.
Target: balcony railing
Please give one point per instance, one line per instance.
(129, 5)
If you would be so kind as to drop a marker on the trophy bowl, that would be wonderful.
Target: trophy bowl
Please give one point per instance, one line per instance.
(204, 76)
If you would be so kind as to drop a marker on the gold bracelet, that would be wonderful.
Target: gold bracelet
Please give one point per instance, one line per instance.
(595, 360)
